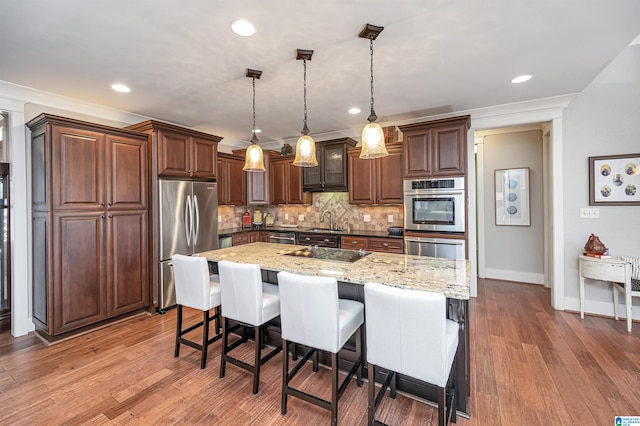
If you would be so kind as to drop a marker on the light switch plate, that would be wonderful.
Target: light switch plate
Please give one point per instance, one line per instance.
(390, 218)
(286, 216)
(301, 217)
(589, 213)
(367, 218)
(219, 219)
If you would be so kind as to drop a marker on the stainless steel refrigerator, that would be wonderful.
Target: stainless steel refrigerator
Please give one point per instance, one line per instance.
(188, 224)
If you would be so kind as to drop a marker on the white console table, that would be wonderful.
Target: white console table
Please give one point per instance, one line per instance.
(613, 270)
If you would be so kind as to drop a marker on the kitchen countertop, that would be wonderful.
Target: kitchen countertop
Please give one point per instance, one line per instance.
(354, 233)
(447, 276)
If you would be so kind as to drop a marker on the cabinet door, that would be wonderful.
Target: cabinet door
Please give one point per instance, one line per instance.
(254, 236)
(79, 285)
(264, 237)
(203, 158)
(222, 182)
(278, 188)
(334, 162)
(236, 182)
(127, 175)
(312, 176)
(389, 177)
(294, 192)
(448, 148)
(128, 262)
(78, 174)
(362, 182)
(258, 186)
(354, 243)
(387, 245)
(173, 153)
(240, 239)
(417, 155)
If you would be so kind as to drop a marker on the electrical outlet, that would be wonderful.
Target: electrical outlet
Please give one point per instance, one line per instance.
(301, 217)
(286, 216)
(390, 218)
(589, 213)
(219, 219)
(367, 218)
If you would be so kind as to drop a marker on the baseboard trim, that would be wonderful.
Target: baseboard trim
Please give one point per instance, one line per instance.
(600, 308)
(505, 275)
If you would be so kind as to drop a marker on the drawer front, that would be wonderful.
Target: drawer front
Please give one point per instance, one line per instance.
(319, 240)
(239, 239)
(602, 270)
(388, 245)
(354, 243)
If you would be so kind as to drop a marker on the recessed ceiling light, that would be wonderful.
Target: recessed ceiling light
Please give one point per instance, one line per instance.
(521, 78)
(258, 131)
(120, 88)
(242, 27)
(354, 110)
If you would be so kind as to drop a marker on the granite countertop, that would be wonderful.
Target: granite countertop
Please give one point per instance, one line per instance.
(447, 276)
(359, 233)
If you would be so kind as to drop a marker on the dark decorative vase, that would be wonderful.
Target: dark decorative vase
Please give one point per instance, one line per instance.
(594, 246)
(286, 149)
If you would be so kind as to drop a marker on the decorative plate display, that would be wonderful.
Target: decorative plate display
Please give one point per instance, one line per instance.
(605, 170)
(630, 169)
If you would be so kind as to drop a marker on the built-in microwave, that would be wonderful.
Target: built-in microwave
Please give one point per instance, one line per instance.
(434, 205)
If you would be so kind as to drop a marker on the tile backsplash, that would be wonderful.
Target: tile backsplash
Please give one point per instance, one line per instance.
(335, 202)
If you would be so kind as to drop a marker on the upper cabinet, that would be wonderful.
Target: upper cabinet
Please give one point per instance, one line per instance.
(377, 181)
(258, 182)
(286, 182)
(181, 152)
(331, 173)
(232, 187)
(435, 148)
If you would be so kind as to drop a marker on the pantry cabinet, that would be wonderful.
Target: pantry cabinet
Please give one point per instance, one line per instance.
(90, 223)
(435, 148)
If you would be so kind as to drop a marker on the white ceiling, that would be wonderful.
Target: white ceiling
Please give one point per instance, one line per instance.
(184, 65)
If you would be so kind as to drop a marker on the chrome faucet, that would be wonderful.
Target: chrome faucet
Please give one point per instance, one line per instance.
(330, 218)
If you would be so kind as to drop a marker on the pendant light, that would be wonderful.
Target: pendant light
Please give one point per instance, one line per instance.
(254, 157)
(306, 146)
(372, 134)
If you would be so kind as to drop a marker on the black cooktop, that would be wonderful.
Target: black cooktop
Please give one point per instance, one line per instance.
(337, 255)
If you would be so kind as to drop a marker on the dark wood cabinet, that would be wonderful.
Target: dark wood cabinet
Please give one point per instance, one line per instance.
(380, 244)
(90, 223)
(286, 182)
(377, 181)
(435, 148)
(232, 181)
(257, 182)
(331, 174)
(245, 238)
(181, 152)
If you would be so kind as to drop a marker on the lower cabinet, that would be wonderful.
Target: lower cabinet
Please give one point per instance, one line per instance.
(100, 268)
(380, 244)
(245, 238)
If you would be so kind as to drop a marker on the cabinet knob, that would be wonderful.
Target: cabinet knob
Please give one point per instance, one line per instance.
(110, 216)
(326, 240)
(101, 216)
(354, 242)
(307, 239)
(385, 244)
(110, 203)
(102, 204)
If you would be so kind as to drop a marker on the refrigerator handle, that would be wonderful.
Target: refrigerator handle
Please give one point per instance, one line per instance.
(196, 209)
(187, 221)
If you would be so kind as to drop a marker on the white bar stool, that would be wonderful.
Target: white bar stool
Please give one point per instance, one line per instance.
(250, 302)
(408, 333)
(313, 316)
(195, 289)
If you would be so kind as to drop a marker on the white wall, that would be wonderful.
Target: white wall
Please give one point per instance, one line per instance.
(602, 120)
(514, 253)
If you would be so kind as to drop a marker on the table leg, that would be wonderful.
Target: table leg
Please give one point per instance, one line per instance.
(581, 297)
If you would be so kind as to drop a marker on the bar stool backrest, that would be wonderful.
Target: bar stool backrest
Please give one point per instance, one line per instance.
(241, 291)
(191, 275)
(309, 310)
(407, 332)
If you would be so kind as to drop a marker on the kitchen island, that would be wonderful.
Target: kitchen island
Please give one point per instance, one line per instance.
(447, 276)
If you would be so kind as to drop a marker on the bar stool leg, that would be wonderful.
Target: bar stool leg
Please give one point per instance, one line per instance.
(225, 336)
(205, 338)
(372, 394)
(359, 356)
(442, 406)
(256, 368)
(334, 389)
(178, 331)
(285, 375)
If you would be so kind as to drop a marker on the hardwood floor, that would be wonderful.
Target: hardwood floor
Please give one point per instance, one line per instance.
(530, 365)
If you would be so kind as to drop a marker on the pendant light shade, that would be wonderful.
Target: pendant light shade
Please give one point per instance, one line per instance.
(372, 135)
(306, 146)
(254, 157)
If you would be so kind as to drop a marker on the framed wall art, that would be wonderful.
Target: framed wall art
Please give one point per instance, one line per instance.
(614, 180)
(512, 197)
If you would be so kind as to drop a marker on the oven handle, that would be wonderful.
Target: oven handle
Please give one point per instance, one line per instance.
(417, 193)
(434, 240)
(283, 238)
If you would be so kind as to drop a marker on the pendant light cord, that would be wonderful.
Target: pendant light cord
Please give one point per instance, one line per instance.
(372, 116)
(305, 128)
(254, 105)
